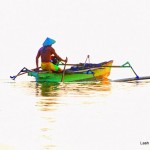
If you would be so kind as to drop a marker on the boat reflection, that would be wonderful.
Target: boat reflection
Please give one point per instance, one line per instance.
(48, 94)
(55, 109)
(53, 90)
(47, 89)
(61, 104)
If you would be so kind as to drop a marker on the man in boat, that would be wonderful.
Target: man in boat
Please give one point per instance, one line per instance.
(46, 52)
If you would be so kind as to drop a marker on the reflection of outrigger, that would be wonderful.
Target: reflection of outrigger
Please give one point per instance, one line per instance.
(79, 72)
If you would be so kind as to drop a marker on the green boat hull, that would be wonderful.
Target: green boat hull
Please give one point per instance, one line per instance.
(56, 77)
(90, 74)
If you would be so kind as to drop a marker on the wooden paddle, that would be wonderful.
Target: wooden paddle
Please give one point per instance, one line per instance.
(63, 74)
(88, 57)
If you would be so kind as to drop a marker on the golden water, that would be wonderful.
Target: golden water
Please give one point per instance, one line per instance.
(74, 116)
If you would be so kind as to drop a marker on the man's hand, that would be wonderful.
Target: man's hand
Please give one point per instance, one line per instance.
(36, 69)
(66, 60)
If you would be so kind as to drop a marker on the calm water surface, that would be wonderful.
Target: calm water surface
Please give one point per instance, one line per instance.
(74, 116)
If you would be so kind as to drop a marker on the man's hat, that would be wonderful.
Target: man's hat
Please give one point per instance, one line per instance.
(48, 41)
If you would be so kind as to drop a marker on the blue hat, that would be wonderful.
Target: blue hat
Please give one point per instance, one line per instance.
(48, 41)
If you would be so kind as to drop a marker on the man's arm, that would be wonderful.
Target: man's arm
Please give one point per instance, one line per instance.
(37, 59)
(58, 57)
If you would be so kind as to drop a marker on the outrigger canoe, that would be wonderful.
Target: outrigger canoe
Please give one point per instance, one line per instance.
(76, 73)
(80, 72)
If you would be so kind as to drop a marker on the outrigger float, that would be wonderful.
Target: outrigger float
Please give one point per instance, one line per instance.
(79, 72)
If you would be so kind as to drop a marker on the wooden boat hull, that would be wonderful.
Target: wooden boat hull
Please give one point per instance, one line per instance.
(90, 74)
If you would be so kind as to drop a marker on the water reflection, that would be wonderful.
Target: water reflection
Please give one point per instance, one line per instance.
(57, 112)
(47, 89)
(60, 104)
(50, 116)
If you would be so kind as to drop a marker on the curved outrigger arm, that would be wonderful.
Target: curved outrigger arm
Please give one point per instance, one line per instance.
(127, 64)
(21, 72)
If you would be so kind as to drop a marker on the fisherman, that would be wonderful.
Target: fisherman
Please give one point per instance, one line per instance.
(46, 52)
